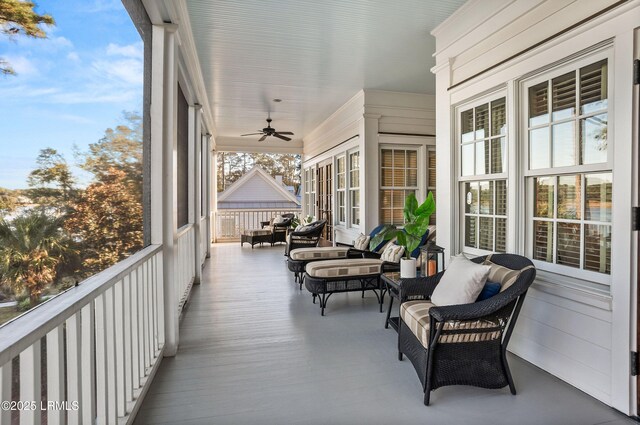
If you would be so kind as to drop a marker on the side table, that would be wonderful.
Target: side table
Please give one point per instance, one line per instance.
(393, 284)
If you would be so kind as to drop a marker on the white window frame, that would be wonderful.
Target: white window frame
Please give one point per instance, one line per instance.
(529, 175)
(462, 180)
(310, 190)
(350, 216)
(342, 191)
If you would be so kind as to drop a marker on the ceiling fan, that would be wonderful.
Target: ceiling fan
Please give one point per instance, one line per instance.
(269, 131)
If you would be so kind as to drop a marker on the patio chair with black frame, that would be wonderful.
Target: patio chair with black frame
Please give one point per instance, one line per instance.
(305, 237)
(464, 344)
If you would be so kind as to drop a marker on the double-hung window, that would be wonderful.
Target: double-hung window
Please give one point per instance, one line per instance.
(341, 189)
(354, 188)
(398, 179)
(483, 175)
(568, 170)
(310, 190)
(305, 184)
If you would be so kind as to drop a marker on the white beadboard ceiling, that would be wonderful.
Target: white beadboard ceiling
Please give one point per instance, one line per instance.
(314, 55)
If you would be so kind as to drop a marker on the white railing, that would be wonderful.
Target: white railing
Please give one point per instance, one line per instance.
(204, 222)
(99, 343)
(185, 264)
(230, 223)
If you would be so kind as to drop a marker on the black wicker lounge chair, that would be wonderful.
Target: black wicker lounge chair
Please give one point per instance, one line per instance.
(463, 344)
(306, 237)
(279, 226)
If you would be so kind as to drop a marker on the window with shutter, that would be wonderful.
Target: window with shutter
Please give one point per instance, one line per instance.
(483, 157)
(398, 178)
(568, 172)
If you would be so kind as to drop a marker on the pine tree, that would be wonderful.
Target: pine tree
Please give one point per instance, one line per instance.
(18, 18)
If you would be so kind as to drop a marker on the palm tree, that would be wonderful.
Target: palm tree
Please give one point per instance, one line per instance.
(32, 246)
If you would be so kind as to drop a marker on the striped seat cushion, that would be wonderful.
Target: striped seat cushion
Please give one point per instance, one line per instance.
(319, 253)
(503, 275)
(256, 232)
(344, 267)
(415, 314)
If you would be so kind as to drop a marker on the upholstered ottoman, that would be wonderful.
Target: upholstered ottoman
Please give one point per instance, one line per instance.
(254, 236)
(323, 278)
(300, 257)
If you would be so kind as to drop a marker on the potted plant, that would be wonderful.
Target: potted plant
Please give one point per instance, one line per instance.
(416, 222)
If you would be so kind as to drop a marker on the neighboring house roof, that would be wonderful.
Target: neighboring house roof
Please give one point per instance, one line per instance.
(257, 189)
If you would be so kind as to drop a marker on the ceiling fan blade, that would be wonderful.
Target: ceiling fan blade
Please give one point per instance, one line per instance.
(279, 136)
(285, 132)
(251, 134)
(262, 138)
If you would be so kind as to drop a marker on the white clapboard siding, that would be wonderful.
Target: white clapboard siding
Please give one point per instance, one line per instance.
(569, 339)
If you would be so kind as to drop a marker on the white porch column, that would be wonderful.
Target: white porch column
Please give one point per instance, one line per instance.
(369, 173)
(213, 204)
(197, 189)
(164, 115)
(210, 188)
(445, 164)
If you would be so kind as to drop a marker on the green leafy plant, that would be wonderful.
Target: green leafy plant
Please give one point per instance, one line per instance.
(416, 222)
(301, 220)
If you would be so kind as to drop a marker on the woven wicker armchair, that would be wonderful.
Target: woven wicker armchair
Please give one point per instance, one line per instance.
(279, 226)
(307, 237)
(465, 344)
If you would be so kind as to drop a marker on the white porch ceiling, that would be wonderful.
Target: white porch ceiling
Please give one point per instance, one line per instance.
(314, 55)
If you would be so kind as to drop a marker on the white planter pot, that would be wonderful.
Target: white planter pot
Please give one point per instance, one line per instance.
(407, 267)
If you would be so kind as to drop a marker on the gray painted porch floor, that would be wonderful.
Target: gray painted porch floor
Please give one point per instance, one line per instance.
(255, 350)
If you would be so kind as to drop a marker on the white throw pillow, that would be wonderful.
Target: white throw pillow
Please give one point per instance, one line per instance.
(279, 220)
(461, 283)
(361, 242)
(392, 253)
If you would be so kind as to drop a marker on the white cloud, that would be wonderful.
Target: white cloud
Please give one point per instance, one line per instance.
(75, 118)
(51, 43)
(99, 6)
(61, 42)
(135, 50)
(128, 71)
(22, 65)
(73, 56)
(24, 91)
(94, 96)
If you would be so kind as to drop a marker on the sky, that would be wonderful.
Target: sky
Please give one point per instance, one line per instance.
(70, 87)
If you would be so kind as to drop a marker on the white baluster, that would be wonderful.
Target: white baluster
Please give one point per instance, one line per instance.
(135, 329)
(145, 317)
(121, 402)
(30, 384)
(5, 391)
(148, 302)
(74, 366)
(111, 354)
(88, 361)
(141, 362)
(55, 376)
(102, 393)
(160, 300)
(128, 361)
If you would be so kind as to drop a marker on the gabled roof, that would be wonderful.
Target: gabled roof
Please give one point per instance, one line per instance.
(268, 189)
